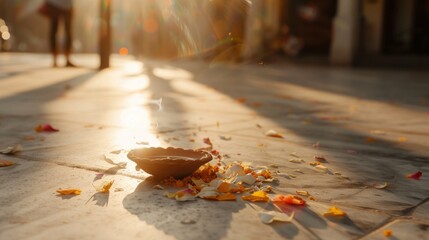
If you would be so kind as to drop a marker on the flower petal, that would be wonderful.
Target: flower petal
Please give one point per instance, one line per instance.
(208, 141)
(380, 186)
(387, 232)
(234, 170)
(225, 138)
(258, 196)
(104, 187)
(272, 133)
(45, 128)
(182, 195)
(322, 168)
(334, 212)
(272, 216)
(5, 163)
(294, 160)
(70, 191)
(225, 187)
(288, 199)
(302, 193)
(226, 197)
(415, 176)
(247, 179)
(11, 150)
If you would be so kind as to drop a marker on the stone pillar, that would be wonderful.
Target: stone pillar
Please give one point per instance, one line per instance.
(345, 39)
(372, 29)
(105, 36)
(262, 27)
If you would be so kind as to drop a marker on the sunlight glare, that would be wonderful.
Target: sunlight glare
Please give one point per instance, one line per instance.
(139, 127)
(171, 73)
(133, 67)
(138, 83)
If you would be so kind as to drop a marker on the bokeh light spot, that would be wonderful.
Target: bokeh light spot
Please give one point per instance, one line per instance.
(5, 35)
(123, 51)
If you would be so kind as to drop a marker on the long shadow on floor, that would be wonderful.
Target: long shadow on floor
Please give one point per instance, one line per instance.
(183, 220)
(373, 162)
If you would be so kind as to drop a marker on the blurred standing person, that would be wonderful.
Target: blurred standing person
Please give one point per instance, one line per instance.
(57, 11)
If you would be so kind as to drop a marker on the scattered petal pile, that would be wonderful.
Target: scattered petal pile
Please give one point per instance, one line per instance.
(221, 182)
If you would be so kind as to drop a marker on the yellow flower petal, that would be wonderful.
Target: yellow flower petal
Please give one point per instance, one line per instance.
(334, 212)
(258, 196)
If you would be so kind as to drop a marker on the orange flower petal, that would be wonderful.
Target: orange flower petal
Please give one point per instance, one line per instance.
(105, 186)
(225, 187)
(226, 197)
(5, 163)
(71, 191)
(387, 232)
(288, 199)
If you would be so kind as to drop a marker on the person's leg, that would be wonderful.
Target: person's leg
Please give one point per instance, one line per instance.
(53, 38)
(69, 37)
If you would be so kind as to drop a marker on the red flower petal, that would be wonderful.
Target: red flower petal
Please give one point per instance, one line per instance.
(207, 141)
(49, 128)
(45, 128)
(288, 199)
(415, 175)
(215, 152)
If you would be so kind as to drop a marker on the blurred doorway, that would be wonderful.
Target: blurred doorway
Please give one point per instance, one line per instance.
(310, 21)
(406, 27)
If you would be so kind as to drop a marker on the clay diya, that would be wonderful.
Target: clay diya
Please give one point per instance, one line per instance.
(166, 162)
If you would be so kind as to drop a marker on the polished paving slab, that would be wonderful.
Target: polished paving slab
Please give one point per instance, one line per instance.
(371, 126)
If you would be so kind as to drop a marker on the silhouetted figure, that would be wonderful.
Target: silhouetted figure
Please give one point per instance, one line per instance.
(60, 10)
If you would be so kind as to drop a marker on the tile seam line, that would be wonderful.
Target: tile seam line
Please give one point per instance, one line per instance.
(82, 167)
(406, 216)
